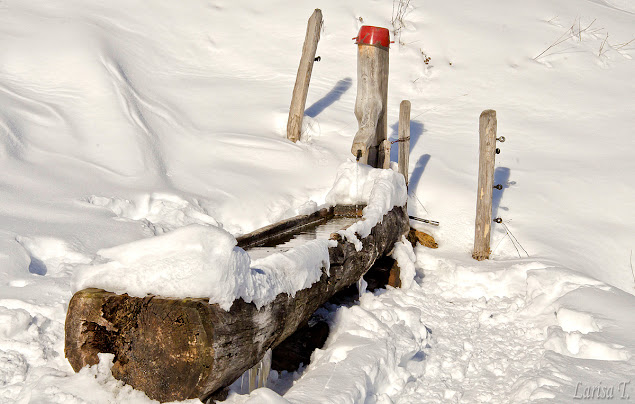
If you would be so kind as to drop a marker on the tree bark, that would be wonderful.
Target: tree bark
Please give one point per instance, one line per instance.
(175, 349)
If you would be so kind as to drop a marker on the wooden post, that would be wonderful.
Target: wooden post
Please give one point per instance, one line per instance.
(404, 138)
(487, 150)
(383, 157)
(372, 97)
(301, 88)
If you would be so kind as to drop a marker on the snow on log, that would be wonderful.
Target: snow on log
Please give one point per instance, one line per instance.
(176, 348)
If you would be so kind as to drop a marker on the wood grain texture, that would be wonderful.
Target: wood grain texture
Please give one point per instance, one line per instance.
(303, 78)
(404, 138)
(487, 153)
(370, 106)
(174, 349)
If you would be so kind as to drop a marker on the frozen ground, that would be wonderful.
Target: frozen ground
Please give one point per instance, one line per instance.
(121, 121)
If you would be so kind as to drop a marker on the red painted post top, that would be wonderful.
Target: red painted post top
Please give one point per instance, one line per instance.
(377, 36)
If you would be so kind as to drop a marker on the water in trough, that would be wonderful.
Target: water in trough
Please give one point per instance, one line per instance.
(287, 241)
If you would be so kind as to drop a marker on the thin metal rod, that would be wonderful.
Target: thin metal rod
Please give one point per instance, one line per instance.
(432, 222)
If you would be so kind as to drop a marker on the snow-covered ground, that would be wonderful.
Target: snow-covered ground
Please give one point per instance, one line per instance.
(124, 120)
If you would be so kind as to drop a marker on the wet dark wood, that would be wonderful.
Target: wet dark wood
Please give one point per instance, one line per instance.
(174, 349)
(298, 348)
(283, 227)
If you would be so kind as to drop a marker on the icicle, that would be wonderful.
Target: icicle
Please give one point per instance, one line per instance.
(265, 369)
(259, 374)
(357, 198)
(361, 286)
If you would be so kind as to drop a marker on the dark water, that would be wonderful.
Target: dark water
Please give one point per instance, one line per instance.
(319, 231)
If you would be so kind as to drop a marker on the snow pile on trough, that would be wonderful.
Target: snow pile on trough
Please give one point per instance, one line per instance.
(199, 261)
(381, 190)
(203, 262)
(193, 261)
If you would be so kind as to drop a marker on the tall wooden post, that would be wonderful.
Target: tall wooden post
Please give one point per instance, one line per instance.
(487, 150)
(301, 88)
(372, 97)
(404, 138)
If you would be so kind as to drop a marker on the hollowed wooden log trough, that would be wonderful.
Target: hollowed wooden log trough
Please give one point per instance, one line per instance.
(174, 349)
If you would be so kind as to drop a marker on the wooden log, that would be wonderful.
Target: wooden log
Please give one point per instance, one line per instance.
(301, 88)
(394, 278)
(426, 240)
(283, 227)
(487, 153)
(404, 138)
(174, 349)
(370, 106)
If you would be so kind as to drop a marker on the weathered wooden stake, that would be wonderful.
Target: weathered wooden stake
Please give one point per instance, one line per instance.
(404, 138)
(301, 88)
(487, 150)
(372, 97)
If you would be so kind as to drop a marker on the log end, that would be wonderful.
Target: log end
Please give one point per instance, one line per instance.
(161, 346)
(422, 238)
(86, 332)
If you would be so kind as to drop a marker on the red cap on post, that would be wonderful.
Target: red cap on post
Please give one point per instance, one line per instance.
(377, 36)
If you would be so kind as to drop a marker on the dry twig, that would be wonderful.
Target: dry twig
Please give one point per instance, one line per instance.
(398, 14)
(568, 34)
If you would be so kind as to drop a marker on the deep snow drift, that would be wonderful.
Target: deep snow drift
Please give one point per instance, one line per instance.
(120, 122)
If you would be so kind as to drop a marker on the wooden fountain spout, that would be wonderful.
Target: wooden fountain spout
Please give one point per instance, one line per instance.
(372, 96)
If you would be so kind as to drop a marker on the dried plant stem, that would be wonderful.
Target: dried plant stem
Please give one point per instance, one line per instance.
(570, 33)
(602, 46)
(399, 10)
(622, 45)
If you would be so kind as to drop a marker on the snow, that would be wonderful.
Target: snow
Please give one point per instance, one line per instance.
(380, 190)
(198, 261)
(192, 261)
(120, 123)
(406, 259)
(203, 262)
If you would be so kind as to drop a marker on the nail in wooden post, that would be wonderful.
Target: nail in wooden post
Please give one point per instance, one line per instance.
(404, 138)
(301, 88)
(487, 150)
